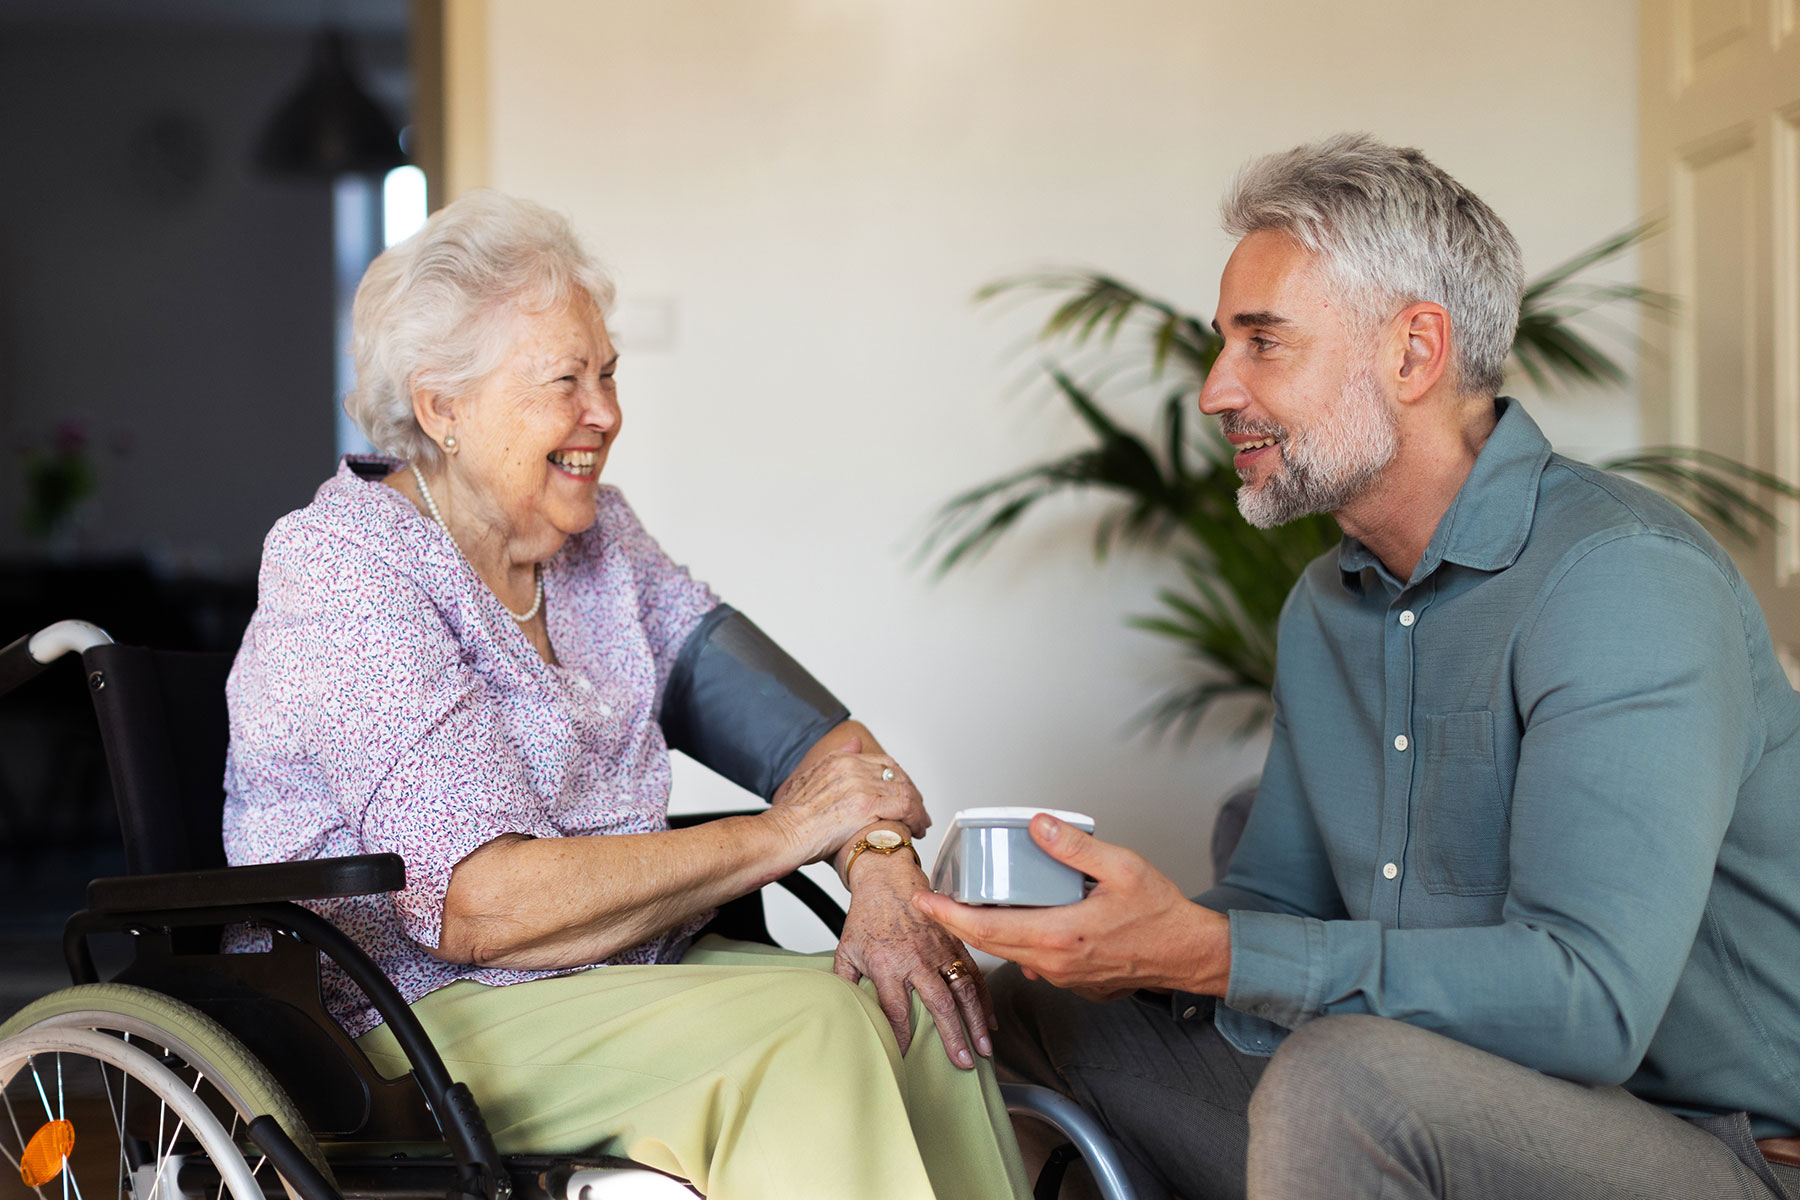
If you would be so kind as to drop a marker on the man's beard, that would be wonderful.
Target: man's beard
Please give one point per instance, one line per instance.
(1326, 466)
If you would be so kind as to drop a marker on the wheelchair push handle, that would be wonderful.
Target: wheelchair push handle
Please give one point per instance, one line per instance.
(25, 658)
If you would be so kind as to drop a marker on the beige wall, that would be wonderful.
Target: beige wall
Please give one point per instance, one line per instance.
(798, 198)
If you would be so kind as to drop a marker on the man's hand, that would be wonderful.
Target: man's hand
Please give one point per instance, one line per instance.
(1134, 930)
(896, 946)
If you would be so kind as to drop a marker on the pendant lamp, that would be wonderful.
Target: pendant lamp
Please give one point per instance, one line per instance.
(329, 126)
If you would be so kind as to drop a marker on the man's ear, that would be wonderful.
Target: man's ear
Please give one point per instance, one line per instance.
(1423, 330)
(434, 411)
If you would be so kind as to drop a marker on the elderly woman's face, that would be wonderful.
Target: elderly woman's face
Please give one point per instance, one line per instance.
(534, 434)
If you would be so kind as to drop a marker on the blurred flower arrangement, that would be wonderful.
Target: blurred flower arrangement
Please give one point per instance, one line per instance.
(58, 478)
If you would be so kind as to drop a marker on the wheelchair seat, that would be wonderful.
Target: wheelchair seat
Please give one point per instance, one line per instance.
(224, 1072)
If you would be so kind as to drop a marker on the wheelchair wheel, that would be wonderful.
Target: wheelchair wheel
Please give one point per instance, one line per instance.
(131, 1110)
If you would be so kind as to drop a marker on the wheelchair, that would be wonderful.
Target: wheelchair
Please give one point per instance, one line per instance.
(192, 1072)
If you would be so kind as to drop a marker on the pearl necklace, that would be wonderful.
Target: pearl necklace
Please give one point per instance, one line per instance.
(537, 569)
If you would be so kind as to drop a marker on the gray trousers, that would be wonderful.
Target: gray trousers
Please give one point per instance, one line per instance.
(1350, 1107)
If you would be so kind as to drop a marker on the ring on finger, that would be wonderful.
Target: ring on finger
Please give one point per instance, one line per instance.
(955, 971)
(887, 774)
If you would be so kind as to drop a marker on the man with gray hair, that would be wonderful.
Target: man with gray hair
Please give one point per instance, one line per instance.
(1515, 911)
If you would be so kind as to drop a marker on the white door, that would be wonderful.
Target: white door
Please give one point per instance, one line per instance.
(1719, 158)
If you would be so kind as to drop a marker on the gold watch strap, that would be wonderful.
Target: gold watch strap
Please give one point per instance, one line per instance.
(865, 844)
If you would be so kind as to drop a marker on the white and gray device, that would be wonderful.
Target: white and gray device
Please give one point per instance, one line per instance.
(988, 857)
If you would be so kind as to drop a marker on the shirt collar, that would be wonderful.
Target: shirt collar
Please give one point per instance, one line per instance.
(1486, 525)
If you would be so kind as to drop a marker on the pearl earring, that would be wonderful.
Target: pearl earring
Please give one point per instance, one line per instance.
(450, 443)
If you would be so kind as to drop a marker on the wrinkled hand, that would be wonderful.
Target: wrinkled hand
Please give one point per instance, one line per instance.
(824, 804)
(1134, 930)
(890, 942)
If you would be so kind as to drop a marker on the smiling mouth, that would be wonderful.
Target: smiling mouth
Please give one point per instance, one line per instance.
(580, 463)
(1247, 447)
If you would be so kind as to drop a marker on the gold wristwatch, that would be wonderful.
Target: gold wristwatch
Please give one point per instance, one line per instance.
(882, 841)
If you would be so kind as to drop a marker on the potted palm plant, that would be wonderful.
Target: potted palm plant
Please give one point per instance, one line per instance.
(1175, 489)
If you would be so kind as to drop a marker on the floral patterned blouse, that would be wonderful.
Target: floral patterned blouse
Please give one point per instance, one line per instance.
(384, 701)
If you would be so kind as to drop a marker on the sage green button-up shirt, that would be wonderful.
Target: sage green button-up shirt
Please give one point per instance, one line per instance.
(1543, 797)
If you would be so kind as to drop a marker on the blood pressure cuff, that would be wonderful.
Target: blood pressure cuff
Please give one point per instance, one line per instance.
(737, 704)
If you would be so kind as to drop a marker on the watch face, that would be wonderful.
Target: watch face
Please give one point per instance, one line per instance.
(884, 839)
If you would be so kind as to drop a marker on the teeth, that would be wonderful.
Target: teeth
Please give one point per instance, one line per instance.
(1255, 445)
(576, 462)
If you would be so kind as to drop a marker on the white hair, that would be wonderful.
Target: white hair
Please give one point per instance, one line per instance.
(1392, 229)
(435, 310)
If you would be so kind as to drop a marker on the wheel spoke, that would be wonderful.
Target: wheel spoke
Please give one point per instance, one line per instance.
(162, 1114)
(220, 1194)
(6, 1095)
(62, 1114)
(124, 1085)
(37, 1079)
(118, 1114)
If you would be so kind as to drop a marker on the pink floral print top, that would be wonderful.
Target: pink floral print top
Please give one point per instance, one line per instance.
(384, 701)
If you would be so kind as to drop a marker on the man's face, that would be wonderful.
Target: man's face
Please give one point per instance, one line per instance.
(1295, 388)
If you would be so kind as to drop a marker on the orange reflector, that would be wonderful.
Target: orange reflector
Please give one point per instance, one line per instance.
(45, 1153)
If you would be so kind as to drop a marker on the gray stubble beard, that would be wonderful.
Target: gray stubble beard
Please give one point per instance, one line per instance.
(1325, 467)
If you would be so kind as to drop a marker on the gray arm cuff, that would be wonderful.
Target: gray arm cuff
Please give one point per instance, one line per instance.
(738, 705)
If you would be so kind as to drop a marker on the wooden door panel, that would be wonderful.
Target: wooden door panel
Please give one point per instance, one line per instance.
(1719, 157)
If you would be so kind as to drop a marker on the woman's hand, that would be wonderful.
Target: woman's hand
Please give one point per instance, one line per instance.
(833, 796)
(896, 946)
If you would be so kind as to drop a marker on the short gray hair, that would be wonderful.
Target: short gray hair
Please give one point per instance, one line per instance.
(1392, 229)
(435, 309)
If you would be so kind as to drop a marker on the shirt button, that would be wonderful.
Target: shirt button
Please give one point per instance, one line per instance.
(1400, 743)
(581, 681)
(1188, 1013)
(1407, 618)
(1389, 871)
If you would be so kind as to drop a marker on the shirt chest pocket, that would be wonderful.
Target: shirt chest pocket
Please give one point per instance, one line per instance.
(1461, 817)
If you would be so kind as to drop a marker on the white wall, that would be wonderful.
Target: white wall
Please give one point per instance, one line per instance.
(808, 192)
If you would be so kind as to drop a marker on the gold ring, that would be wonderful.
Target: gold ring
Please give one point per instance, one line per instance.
(954, 971)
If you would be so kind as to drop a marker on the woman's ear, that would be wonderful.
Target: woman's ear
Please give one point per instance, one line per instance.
(434, 411)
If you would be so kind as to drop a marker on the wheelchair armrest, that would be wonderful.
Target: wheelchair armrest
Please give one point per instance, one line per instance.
(266, 883)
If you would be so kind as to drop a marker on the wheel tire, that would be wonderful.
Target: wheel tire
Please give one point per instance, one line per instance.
(182, 1030)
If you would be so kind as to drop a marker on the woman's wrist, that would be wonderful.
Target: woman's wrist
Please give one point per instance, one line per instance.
(791, 845)
(900, 865)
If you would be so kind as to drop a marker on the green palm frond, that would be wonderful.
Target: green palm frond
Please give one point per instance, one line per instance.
(1719, 490)
(1099, 306)
(1551, 345)
(1119, 462)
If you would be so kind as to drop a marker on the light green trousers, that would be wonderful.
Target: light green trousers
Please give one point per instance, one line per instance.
(750, 1071)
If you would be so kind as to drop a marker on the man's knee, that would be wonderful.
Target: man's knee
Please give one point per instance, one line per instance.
(1326, 1066)
(1340, 1086)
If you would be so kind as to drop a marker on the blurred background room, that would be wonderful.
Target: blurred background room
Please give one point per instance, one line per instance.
(799, 201)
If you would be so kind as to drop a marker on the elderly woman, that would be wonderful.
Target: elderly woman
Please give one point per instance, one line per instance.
(462, 655)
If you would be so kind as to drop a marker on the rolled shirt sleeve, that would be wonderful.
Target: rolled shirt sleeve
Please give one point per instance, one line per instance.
(454, 790)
